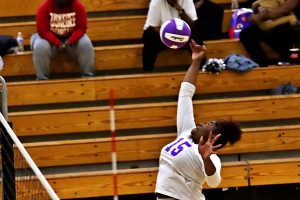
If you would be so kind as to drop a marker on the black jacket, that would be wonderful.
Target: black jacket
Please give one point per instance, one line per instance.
(7, 42)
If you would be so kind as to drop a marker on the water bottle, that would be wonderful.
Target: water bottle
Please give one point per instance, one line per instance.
(20, 41)
(234, 5)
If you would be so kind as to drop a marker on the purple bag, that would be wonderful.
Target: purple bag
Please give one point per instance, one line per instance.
(240, 20)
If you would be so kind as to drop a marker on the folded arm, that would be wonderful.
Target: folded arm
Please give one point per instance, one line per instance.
(43, 26)
(287, 7)
(81, 24)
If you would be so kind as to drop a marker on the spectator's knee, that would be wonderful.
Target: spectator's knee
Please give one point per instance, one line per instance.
(243, 35)
(219, 9)
(41, 46)
(150, 37)
(85, 44)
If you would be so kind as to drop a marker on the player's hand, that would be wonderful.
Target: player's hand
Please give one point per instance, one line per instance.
(199, 51)
(208, 148)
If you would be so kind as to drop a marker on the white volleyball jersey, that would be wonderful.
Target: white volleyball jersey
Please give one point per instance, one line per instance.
(161, 11)
(181, 169)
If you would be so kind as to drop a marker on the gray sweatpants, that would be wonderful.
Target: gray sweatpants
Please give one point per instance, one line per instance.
(43, 51)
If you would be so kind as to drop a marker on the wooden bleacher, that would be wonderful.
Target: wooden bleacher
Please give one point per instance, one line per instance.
(235, 174)
(153, 85)
(280, 171)
(12, 8)
(152, 115)
(98, 27)
(106, 59)
(129, 57)
(95, 184)
(148, 147)
(62, 153)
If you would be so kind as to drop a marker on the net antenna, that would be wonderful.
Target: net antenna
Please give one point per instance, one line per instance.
(8, 185)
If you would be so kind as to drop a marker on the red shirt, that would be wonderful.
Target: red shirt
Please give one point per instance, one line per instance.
(55, 24)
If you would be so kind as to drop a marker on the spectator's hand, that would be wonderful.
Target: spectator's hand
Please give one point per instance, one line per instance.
(263, 13)
(261, 9)
(68, 44)
(199, 51)
(156, 29)
(172, 2)
(61, 46)
(199, 4)
(255, 17)
(175, 4)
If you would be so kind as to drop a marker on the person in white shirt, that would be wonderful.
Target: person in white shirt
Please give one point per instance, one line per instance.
(159, 12)
(190, 160)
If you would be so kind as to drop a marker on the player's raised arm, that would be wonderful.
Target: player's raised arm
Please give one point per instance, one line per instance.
(185, 114)
(199, 53)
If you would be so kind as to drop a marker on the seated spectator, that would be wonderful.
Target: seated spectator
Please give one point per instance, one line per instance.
(210, 19)
(270, 5)
(281, 38)
(159, 12)
(61, 26)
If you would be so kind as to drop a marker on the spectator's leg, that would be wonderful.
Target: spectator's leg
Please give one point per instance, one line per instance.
(196, 37)
(280, 39)
(296, 35)
(203, 27)
(152, 46)
(83, 50)
(212, 14)
(250, 37)
(43, 51)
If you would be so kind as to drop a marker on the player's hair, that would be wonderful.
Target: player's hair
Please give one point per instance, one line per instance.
(230, 132)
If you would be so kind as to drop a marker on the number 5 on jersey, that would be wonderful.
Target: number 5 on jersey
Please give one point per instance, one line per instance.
(178, 148)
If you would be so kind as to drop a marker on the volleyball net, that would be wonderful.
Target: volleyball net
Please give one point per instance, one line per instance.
(20, 179)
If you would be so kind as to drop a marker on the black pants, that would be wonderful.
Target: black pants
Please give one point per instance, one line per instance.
(280, 39)
(210, 20)
(153, 45)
